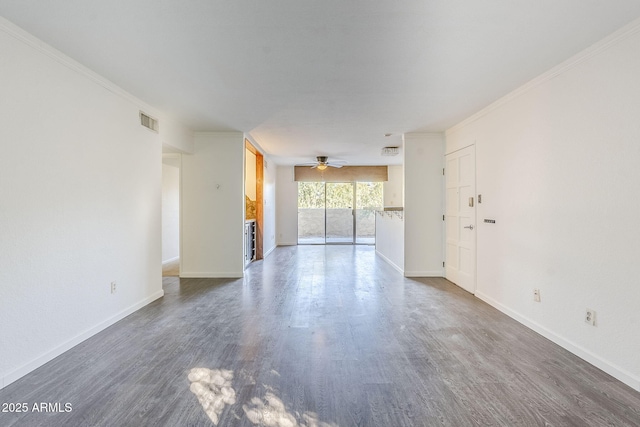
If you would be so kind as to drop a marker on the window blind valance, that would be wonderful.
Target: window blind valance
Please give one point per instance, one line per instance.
(343, 174)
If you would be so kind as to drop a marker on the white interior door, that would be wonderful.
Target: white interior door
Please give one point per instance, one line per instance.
(460, 218)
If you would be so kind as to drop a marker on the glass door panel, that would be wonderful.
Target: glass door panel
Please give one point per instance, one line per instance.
(339, 212)
(311, 213)
(368, 200)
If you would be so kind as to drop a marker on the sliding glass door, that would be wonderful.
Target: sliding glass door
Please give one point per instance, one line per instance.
(338, 212)
(311, 214)
(368, 200)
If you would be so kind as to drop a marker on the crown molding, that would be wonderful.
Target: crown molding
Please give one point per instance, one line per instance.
(422, 135)
(30, 40)
(574, 61)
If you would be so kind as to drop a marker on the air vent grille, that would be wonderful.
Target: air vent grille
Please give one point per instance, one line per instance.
(390, 151)
(148, 122)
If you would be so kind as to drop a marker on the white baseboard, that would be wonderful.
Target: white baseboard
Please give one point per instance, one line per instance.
(171, 260)
(265, 254)
(391, 263)
(611, 369)
(16, 374)
(287, 243)
(431, 273)
(211, 275)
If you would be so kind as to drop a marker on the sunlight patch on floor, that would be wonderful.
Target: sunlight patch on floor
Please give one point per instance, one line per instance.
(213, 389)
(271, 412)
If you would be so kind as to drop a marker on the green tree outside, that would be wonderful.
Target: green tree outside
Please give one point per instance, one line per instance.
(311, 195)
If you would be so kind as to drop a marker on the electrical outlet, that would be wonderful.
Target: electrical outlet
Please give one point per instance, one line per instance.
(536, 295)
(590, 317)
(113, 287)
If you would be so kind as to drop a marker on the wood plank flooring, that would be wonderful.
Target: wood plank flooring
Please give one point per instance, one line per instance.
(320, 336)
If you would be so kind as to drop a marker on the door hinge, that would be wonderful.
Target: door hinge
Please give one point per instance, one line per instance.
(442, 171)
(443, 217)
(443, 263)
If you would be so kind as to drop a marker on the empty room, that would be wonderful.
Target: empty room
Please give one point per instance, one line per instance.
(319, 214)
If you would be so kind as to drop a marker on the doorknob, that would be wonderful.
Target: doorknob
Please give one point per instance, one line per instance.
(470, 227)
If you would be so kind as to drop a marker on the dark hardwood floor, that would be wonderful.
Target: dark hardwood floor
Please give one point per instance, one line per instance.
(320, 336)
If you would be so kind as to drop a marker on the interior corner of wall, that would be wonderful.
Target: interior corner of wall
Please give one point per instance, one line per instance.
(176, 137)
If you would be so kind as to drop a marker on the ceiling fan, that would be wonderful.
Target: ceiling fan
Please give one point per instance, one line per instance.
(322, 162)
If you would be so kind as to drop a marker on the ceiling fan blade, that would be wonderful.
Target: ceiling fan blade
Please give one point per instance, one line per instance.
(334, 166)
(314, 166)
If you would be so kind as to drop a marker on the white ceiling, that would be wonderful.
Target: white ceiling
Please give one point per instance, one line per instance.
(330, 77)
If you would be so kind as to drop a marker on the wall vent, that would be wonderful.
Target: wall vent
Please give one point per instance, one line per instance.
(390, 151)
(148, 122)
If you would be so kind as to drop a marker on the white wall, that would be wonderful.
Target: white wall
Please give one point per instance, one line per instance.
(287, 207)
(557, 166)
(423, 205)
(393, 188)
(390, 238)
(175, 137)
(212, 189)
(80, 194)
(170, 211)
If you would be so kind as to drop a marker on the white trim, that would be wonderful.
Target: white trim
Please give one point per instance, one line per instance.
(211, 275)
(175, 258)
(391, 263)
(621, 374)
(455, 150)
(577, 59)
(433, 273)
(19, 34)
(422, 135)
(287, 244)
(32, 365)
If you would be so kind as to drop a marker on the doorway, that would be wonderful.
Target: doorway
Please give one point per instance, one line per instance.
(338, 212)
(170, 215)
(254, 208)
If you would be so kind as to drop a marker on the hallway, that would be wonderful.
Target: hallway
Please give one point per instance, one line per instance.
(320, 336)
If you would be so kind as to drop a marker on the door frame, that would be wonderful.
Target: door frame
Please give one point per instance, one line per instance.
(259, 197)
